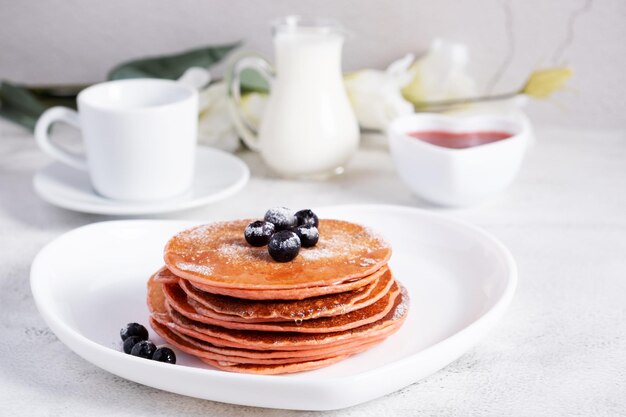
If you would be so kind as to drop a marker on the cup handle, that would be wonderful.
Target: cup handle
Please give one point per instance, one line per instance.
(47, 119)
(245, 129)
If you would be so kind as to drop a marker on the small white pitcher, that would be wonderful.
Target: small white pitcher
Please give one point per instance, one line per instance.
(308, 129)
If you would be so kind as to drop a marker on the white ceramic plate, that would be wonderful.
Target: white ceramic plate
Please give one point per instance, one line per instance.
(91, 281)
(218, 175)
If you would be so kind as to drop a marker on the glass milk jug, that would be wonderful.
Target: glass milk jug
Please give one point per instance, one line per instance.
(308, 129)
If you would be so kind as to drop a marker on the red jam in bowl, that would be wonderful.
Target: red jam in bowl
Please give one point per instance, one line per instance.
(459, 140)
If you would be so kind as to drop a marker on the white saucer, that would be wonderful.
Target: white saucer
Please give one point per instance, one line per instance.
(218, 175)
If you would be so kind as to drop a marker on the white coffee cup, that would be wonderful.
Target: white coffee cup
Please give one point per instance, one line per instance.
(140, 137)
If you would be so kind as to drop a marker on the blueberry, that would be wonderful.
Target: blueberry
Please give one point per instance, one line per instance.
(308, 235)
(130, 342)
(143, 349)
(284, 246)
(307, 217)
(134, 329)
(164, 354)
(282, 218)
(258, 233)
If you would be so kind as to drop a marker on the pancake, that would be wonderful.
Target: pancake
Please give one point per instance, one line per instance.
(247, 311)
(249, 339)
(291, 294)
(323, 352)
(166, 276)
(177, 303)
(233, 307)
(271, 340)
(216, 255)
(275, 369)
(204, 350)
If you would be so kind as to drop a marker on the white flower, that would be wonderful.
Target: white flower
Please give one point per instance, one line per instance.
(376, 95)
(441, 74)
(195, 77)
(215, 125)
(252, 107)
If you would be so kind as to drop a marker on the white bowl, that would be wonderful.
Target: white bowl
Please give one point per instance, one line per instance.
(457, 177)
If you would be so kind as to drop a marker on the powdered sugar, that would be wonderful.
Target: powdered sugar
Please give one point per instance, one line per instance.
(200, 269)
(280, 215)
(199, 234)
(292, 242)
(367, 262)
(317, 253)
(233, 250)
(403, 307)
(373, 234)
(308, 232)
(338, 245)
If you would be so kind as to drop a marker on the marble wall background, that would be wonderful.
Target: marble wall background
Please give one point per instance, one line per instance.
(76, 41)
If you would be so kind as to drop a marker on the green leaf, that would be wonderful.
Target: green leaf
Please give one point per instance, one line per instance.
(19, 105)
(171, 66)
(24, 105)
(252, 82)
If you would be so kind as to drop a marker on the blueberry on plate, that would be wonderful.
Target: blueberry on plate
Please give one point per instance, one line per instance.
(282, 218)
(130, 342)
(134, 329)
(164, 354)
(307, 217)
(284, 246)
(308, 235)
(144, 349)
(258, 233)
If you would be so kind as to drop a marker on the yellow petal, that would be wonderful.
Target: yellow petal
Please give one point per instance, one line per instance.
(542, 83)
(252, 106)
(414, 90)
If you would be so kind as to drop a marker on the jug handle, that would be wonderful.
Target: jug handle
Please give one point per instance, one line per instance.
(233, 79)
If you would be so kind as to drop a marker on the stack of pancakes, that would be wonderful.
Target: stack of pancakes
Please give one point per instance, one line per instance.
(232, 306)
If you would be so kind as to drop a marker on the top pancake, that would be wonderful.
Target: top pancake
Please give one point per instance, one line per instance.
(217, 254)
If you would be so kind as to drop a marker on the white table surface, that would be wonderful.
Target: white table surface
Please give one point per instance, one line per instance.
(560, 349)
